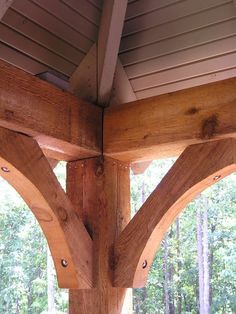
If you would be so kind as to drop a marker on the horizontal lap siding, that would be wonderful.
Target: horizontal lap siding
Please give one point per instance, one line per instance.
(21, 60)
(175, 44)
(49, 35)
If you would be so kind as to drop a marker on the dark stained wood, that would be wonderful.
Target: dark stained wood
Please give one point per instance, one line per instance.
(24, 166)
(165, 125)
(100, 192)
(197, 168)
(64, 127)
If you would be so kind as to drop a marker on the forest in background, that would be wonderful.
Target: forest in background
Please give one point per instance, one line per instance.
(27, 276)
(194, 270)
(199, 250)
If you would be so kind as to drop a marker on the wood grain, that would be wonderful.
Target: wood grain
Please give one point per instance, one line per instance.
(165, 125)
(64, 127)
(24, 166)
(100, 192)
(198, 167)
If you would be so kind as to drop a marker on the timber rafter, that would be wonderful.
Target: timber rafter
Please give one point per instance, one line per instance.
(198, 167)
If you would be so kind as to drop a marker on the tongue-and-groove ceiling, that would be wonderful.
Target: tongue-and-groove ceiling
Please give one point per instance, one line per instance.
(166, 45)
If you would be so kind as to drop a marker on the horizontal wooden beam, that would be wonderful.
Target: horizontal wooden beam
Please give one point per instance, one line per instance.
(24, 166)
(64, 127)
(198, 167)
(165, 125)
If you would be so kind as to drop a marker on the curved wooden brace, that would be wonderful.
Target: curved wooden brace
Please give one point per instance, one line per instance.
(197, 168)
(24, 166)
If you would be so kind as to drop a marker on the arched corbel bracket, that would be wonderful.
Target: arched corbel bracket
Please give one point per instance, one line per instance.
(197, 168)
(24, 166)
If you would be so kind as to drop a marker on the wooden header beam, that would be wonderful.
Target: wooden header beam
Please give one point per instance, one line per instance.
(165, 125)
(64, 127)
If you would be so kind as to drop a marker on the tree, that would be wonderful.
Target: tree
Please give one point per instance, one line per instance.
(218, 232)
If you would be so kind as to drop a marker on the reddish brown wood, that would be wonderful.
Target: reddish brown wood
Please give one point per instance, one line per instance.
(165, 125)
(64, 127)
(100, 192)
(140, 167)
(24, 166)
(52, 162)
(197, 168)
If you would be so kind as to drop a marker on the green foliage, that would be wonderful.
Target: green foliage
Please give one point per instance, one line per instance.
(23, 252)
(23, 258)
(183, 266)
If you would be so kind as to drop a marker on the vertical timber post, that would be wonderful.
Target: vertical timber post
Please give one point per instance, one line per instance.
(100, 191)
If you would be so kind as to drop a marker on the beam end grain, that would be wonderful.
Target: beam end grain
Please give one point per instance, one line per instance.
(198, 167)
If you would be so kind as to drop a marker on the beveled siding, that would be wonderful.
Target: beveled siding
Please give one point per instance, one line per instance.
(175, 44)
(46, 35)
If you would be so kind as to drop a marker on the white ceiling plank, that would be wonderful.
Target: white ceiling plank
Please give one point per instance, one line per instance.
(4, 5)
(109, 36)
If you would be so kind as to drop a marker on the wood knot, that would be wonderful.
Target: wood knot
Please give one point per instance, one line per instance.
(42, 214)
(62, 214)
(99, 170)
(209, 126)
(192, 111)
(9, 114)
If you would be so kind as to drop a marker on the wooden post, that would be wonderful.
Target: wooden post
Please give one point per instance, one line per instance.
(100, 191)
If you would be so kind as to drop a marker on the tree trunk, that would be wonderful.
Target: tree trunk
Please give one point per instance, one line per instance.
(166, 276)
(211, 260)
(50, 279)
(203, 254)
(205, 258)
(171, 271)
(200, 262)
(179, 294)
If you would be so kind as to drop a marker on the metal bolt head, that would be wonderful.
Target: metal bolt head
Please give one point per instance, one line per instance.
(64, 263)
(216, 178)
(5, 169)
(144, 264)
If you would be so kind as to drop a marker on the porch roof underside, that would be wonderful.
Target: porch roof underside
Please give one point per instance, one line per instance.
(166, 45)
